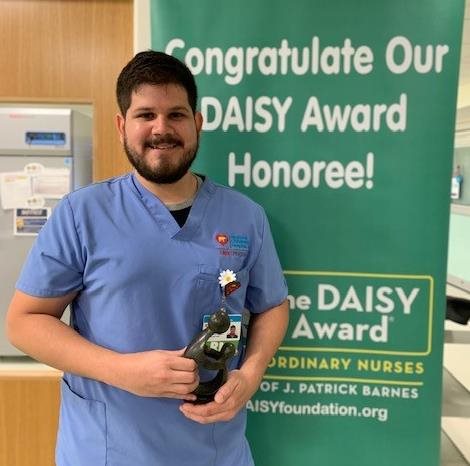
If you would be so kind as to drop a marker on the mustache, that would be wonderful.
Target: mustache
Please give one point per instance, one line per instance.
(164, 139)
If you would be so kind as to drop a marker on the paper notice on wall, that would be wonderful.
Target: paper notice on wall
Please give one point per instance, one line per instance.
(32, 186)
(15, 189)
(51, 183)
(28, 222)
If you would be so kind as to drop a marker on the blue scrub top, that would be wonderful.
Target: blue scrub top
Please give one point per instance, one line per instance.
(144, 283)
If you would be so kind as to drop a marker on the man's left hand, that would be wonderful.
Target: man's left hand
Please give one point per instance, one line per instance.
(229, 399)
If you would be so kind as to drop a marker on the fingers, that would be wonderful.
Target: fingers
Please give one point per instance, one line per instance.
(208, 413)
(159, 373)
(226, 391)
(167, 387)
(180, 392)
(182, 376)
(213, 411)
(225, 406)
(176, 376)
(177, 362)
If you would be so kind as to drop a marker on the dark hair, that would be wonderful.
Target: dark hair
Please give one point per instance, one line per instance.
(155, 68)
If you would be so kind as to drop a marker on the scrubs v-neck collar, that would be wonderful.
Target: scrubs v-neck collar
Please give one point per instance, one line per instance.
(163, 216)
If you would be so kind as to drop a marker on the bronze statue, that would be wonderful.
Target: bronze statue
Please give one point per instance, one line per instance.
(209, 358)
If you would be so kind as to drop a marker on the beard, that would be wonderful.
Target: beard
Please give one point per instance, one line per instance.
(169, 170)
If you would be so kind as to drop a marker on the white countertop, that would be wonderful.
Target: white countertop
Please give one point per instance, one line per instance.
(456, 292)
(20, 366)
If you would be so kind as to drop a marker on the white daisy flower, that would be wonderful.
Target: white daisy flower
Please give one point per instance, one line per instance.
(226, 277)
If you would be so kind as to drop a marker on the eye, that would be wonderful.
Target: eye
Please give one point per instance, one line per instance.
(177, 115)
(146, 116)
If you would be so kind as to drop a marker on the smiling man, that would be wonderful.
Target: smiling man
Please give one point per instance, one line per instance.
(139, 259)
(160, 140)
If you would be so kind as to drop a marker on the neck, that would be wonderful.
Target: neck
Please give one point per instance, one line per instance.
(173, 193)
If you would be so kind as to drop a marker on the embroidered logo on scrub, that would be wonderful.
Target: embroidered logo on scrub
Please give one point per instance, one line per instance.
(232, 245)
(222, 238)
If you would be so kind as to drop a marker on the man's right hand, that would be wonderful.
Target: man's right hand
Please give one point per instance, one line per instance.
(157, 373)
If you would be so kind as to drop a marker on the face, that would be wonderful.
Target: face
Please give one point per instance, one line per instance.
(160, 133)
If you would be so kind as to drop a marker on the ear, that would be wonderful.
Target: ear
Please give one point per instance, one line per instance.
(199, 120)
(120, 124)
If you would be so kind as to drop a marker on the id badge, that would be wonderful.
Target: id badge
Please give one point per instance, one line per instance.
(232, 335)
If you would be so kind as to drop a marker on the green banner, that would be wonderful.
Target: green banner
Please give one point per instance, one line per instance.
(338, 117)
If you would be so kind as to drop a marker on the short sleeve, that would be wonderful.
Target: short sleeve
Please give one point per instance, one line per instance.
(54, 266)
(267, 286)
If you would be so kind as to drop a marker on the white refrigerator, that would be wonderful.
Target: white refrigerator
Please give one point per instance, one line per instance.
(44, 153)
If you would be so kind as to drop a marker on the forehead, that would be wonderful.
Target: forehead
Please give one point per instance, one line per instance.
(151, 95)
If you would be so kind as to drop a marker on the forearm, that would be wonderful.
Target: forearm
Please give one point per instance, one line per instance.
(34, 326)
(49, 340)
(265, 334)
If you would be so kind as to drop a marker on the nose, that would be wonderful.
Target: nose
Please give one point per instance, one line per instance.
(161, 125)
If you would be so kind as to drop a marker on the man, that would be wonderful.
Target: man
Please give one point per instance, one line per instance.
(232, 332)
(139, 258)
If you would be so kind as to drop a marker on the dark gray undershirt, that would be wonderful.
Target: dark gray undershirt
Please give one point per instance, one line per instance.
(181, 210)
